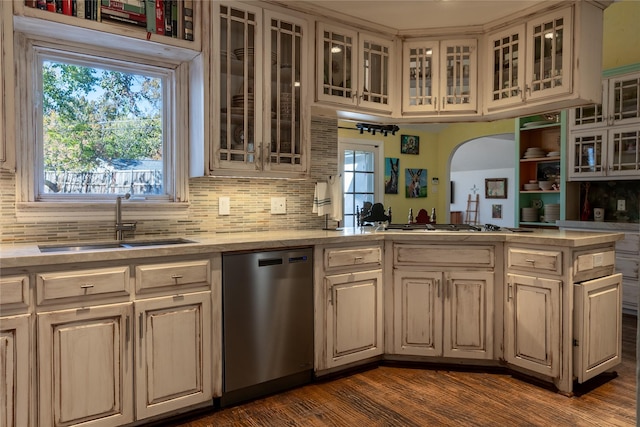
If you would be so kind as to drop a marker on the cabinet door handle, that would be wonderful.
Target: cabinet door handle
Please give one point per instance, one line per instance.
(438, 284)
(141, 326)
(331, 296)
(127, 333)
(443, 101)
(435, 102)
(509, 292)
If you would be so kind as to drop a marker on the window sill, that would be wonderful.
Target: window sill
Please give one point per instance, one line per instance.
(50, 212)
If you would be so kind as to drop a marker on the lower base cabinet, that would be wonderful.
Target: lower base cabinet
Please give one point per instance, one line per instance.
(446, 314)
(597, 326)
(173, 353)
(533, 324)
(14, 371)
(354, 319)
(85, 364)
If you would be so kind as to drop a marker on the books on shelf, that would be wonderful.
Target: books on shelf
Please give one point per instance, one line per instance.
(171, 18)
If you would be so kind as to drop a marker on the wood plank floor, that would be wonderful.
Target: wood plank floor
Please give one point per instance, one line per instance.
(398, 396)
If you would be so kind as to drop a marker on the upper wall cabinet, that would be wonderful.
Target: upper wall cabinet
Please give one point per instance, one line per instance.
(439, 76)
(354, 69)
(258, 90)
(551, 58)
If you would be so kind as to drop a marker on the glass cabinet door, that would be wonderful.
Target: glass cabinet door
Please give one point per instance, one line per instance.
(237, 94)
(458, 76)
(285, 77)
(336, 63)
(587, 116)
(420, 79)
(549, 56)
(586, 154)
(624, 96)
(374, 72)
(624, 151)
(507, 70)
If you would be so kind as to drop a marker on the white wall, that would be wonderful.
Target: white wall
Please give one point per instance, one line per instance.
(464, 182)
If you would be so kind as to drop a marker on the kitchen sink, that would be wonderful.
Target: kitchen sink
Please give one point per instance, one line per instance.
(79, 247)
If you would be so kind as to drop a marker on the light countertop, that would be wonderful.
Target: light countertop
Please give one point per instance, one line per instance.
(15, 256)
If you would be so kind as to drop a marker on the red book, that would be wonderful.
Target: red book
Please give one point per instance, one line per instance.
(159, 17)
(67, 7)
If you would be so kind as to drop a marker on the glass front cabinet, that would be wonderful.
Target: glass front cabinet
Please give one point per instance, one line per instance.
(605, 138)
(440, 76)
(353, 68)
(259, 91)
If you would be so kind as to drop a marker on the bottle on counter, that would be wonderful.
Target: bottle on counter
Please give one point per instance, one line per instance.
(410, 219)
(433, 215)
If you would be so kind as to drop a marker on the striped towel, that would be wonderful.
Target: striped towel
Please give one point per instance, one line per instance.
(322, 199)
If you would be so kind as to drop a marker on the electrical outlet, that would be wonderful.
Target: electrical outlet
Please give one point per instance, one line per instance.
(622, 205)
(278, 205)
(224, 205)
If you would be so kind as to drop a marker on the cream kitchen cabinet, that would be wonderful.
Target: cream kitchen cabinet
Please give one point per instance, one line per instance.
(173, 353)
(348, 294)
(7, 147)
(258, 92)
(440, 76)
(441, 308)
(562, 312)
(597, 326)
(445, 314)
(533, 323)
(552, 56)
(354, 68)
(605, 138)
(15, 354)
(85, 366)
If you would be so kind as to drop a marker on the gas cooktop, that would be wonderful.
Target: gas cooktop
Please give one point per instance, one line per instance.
(434, 227)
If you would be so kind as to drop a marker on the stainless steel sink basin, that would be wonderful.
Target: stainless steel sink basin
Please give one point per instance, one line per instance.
(79, 247)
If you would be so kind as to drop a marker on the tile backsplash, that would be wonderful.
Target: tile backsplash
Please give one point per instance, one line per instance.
(250, 203)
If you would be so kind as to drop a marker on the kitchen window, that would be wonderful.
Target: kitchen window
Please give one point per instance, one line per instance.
(102, 124)
(362, 175)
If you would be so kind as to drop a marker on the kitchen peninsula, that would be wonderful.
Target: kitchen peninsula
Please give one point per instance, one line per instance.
(461, 298)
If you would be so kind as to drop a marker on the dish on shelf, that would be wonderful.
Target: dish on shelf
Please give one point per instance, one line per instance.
(531, 187)
(553, 154)
(537, 123)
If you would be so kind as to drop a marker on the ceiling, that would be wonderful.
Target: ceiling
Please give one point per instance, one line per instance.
(407, 15)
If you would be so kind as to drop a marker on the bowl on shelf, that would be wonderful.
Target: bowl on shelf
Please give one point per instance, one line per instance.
(545, 185)
(531, 187)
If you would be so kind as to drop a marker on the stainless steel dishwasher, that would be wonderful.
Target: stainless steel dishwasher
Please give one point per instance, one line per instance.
(267, 322)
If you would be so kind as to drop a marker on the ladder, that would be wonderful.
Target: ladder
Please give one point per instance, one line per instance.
(472, 210)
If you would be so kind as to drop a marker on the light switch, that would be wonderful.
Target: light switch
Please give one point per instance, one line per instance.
(622, 205)
(278, 205)
(224, 205)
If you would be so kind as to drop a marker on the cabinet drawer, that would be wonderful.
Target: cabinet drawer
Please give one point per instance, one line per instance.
(535, 260)
(630, 243)
(14, 291)
(154, 276)
(593, 264)
(443, 255)
(58, 286)
(343, 257)
(628, 267)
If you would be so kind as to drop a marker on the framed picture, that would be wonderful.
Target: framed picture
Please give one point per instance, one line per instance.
(409, 144)
(416, 183)
(496, 211)
(391, 173)
(495, 188)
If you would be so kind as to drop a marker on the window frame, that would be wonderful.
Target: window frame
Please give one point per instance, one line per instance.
(29, 203)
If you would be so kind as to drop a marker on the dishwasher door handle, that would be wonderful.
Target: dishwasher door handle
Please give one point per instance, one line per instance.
(269, 261)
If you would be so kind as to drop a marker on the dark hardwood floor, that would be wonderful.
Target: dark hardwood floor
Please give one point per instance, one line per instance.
(399, 396)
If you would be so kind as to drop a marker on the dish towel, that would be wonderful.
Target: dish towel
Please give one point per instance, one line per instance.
(335, 186)
(322, 199)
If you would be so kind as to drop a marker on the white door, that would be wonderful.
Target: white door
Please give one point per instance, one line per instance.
(533, 324)
(173, 360)
(417, 311)
(354, 317)
(597, 326)
(468, 315)
(362, 173)
(85, 361)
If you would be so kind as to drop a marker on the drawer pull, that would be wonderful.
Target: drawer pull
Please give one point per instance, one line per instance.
(358, 259)
(532, 261)
(176, 276)
(86, 286)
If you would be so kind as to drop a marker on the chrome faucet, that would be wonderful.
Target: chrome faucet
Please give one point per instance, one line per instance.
(120, 226)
